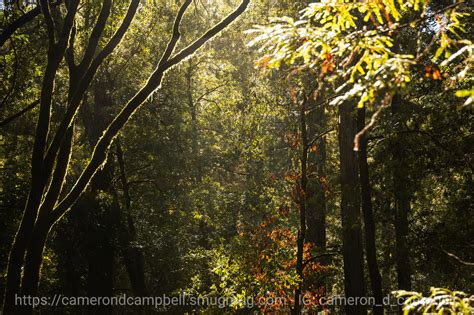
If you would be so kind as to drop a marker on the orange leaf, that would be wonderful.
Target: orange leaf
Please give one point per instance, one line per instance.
(433, 72)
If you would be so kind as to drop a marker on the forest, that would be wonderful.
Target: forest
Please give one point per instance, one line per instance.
(236, 157)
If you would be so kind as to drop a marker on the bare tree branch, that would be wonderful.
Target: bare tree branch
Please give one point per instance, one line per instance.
(176, 34)
(458, 259)
(95, 35)
(22, 20)
(385, 103)
(45, 8)
(320, 136)
(8, 120)
(191, 49)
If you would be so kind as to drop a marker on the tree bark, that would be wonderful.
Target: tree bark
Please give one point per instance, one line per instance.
(103, 215)
(301, 193)
(197, 170)
(316, 201)
(39, 177)
(132, 254)
(402, 205)
(350, 210)
(102, 238)
(369, 224)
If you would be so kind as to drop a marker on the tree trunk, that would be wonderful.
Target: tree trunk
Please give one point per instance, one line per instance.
(197, 169)
(31, 274)
(101, 207)
(101, 254)
(32, 267)
(402, 206)
(16, 260)
(350, 211)
(369, 224)
(132, 254)
(102, 239)
(301, 193)
(316, 201)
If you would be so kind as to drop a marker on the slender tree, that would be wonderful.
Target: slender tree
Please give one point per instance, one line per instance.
(369, 222)
(317, 203)
(132, 254)
(402, 198)
(301, 195)
(352, 246)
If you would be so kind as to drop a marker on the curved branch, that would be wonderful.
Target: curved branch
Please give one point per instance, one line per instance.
(45, 8)
(22, 20)
(8, 120)
(318, 257)
(95, 35)
(191, 49)
(101, 149)
(319, 136)
(75, 102)
(176, 34)
(385, 103)
(461, 261)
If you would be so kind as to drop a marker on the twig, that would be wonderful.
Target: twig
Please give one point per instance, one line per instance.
(15, 72)
(458, 259)
(8, 120)
(320, 136)
(317, 257)
(385, 103)
(22, 20)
